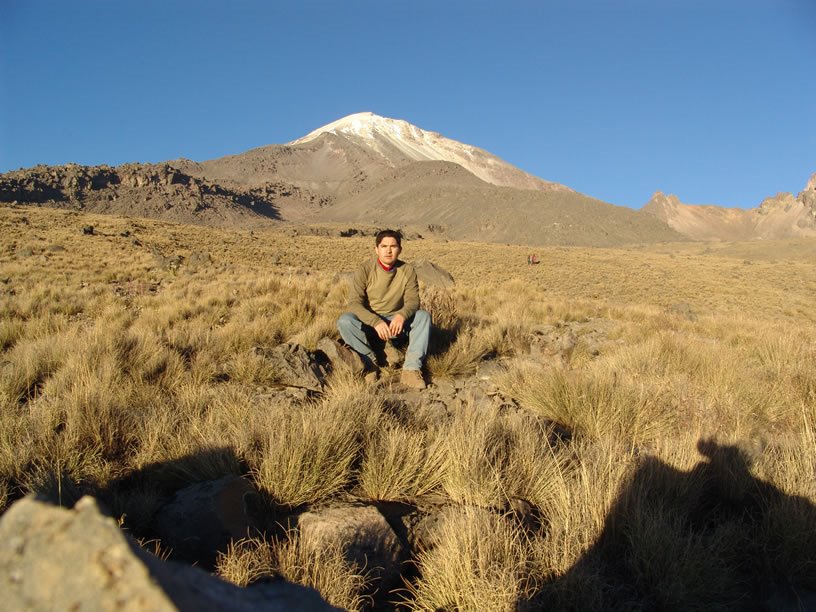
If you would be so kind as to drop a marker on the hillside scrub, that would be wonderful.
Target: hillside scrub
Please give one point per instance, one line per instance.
(113, 363)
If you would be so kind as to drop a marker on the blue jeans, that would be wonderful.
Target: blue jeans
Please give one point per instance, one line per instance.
(354, 333)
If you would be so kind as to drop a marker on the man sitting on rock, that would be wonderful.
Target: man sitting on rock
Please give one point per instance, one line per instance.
(384, 301)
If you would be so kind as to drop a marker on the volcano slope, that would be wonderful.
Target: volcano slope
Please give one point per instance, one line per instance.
(608, 429)
(443, 198)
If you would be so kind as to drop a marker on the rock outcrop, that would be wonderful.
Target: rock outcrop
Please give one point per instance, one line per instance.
(148, 190)
(52, 558)
(777, 217)
(295, 366)
(431, 274)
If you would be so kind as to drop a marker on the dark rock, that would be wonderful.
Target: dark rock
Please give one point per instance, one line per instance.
(88, 230)
(203, 518)
(295, 366)
(341, 356)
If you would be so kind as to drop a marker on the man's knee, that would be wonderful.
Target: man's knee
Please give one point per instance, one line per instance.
(422, 317)
(348, 320)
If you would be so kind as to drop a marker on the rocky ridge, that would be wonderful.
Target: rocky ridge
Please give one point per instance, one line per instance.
(781, 216)
(149, 190)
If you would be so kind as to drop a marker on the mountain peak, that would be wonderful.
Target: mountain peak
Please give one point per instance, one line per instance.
(368, 125)
(398, 141)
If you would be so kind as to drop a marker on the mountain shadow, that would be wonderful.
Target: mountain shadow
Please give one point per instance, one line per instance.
(714, 537)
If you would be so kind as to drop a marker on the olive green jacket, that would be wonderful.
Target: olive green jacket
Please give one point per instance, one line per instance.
(376, 293)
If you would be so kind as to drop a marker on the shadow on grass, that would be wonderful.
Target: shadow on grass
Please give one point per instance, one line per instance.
(714, 537)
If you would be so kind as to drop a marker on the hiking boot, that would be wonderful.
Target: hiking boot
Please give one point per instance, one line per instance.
(393, 355)
(372, 376)
(412, 379)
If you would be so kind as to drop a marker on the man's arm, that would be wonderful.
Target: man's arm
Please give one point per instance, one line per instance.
(410, 299)
(358, 300)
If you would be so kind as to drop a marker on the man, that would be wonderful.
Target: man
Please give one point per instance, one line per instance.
(384, 301)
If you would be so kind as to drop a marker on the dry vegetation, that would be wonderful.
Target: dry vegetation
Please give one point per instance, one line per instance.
(115, 359)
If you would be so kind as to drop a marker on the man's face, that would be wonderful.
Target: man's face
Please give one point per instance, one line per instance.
(388, 251)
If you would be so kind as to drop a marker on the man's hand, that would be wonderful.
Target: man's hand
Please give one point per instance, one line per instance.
(383, 330)
(397, 323)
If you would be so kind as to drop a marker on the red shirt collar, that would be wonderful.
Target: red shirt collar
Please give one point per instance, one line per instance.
(386, 268)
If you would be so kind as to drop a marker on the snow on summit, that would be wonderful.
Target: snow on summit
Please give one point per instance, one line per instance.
(384, 135)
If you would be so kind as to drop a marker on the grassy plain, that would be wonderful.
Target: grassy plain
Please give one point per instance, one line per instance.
(702, 404)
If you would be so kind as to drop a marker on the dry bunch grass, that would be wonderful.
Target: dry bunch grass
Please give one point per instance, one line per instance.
(479, 562)
(111, 364)
(326, 570)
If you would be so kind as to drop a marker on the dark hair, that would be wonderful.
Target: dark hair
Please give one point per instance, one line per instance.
(388, 233)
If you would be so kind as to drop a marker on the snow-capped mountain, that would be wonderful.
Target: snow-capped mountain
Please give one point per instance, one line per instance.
(397, 141)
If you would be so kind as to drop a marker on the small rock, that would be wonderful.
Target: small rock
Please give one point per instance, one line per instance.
(341, 356)
(488, 370)
(362, 533)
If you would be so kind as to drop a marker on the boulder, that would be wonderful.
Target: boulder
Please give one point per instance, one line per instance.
(52, 558)
(362, 533)
(431, 274)
(341, 356)
(295, 366)
(202, 519)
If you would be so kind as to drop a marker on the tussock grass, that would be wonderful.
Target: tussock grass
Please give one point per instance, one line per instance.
(246, 562)
(479, 562)
(302, 461)
(594, 404)
(401, 465)
(471, 346)
(477, 449)
(342, 584)
(123, 379)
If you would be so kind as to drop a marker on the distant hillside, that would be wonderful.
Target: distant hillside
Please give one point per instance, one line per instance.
(371, 170)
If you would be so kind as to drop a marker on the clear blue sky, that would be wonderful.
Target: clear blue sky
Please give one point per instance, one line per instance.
(713, 100)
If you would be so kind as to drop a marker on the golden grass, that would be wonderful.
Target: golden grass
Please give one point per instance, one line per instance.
(339, 582)
(401, 464)
(478, 562)
(111, 364)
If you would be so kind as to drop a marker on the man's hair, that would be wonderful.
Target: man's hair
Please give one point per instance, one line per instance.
(388, 233)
